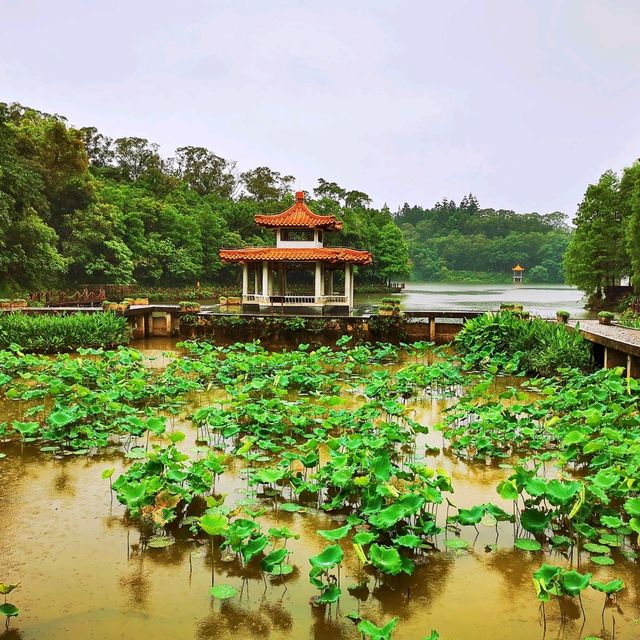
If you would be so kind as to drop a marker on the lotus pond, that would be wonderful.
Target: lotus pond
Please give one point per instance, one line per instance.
(202, 491)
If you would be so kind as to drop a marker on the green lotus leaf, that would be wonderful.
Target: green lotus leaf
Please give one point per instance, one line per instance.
(273, 559)
(456, 543)
(369, 630)
(470, 516)
(507, 490)
(632, 506)
(328, 558)
(499, 514)
(612, 586)
(132, 492)
(223, 591)
(9, 610)
(535, 487)
(254, 547)
(535, 521)
(592, 547)
(386, 559)
(605, 479)
(290, 507)
(381, 468)
(526, 544)
(409, 540)
(388, 517)
(213, 523)
(559, 492)
(364, 537)
(329, 594)
(335, 534)
(283, 569)
(574, 582)
(602, 560)
(614, 522)
(573, 437)
(160, 542)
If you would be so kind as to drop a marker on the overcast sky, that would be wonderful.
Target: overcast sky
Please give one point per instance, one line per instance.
(521, 103)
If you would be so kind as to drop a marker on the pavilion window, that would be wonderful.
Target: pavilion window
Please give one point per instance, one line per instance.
(296, 235)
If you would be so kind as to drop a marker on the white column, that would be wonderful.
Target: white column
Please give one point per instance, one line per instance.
(318, 280)
(245, 280)
(265, 279)
(347, 282)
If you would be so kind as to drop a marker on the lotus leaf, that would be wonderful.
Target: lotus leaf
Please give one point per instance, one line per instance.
(273, 559)
(254, 547)
(9, 610)
(574, 582)
(535, 521)
(328, 558)
(335, 534)
(608, 587)
(386, 559)
(330, 594)
(369, 630)
(526, 544)
(223, 591)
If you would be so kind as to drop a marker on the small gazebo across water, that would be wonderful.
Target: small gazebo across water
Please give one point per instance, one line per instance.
(270, 273)
(518, 273)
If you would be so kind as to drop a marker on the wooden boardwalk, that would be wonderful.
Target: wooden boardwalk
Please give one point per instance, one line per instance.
(614, 346)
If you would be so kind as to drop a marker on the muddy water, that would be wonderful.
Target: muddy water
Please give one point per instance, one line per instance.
(84, 575)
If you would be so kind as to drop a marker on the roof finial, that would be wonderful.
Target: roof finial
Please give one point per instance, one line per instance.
(300, 196)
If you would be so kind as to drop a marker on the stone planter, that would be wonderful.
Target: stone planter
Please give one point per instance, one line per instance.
(562, 319)
(604, 320)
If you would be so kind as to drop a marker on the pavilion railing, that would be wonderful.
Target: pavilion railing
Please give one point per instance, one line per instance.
(254, 298)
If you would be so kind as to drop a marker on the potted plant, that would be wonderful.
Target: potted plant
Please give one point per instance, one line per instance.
(189, 306)
(223, 301)
(386, 310)
(605, 317)
(140, 301)
(5, 303)
(109, 306)
(511, 306)
(233, 300)
(562, 316)
(19, 303)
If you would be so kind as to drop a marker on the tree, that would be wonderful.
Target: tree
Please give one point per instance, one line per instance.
(329, 190)
(264, 184)
(538, 274)
(134, 156)
(596, 257)
(392, 254)
(630, 202)
(205, 172)
(98, 147)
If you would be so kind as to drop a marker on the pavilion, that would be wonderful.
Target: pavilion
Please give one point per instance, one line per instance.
(270, 273)
(518, 273)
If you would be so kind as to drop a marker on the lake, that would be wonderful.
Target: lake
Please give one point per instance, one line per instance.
(539, 299)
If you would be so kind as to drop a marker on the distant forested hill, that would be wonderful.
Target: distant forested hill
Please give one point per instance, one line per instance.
(79, 207)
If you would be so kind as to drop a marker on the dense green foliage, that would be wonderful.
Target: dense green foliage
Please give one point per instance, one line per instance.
(464, 237)
(49, 333)
(605, 248)
(530, 345)
(77, 207)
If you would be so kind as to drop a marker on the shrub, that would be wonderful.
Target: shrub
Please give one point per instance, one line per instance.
(48, 333)
(606, 315)
(563, 314)
(528, 345)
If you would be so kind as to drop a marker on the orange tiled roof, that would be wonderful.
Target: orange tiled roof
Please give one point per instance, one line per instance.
(284, 254)
(299, 216)
(517, 268)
